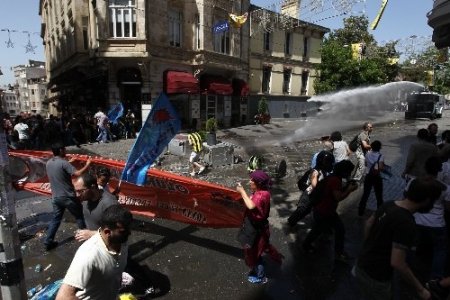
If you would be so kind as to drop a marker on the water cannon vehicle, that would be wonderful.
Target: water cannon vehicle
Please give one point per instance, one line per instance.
(424, 104)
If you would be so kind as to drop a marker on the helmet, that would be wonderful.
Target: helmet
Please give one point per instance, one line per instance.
(325, 161)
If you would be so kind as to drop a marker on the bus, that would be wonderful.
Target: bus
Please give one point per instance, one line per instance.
(424, 105)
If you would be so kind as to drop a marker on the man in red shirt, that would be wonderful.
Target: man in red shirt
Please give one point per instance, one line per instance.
(324, 212)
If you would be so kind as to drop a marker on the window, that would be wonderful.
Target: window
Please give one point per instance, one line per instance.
(267, 41)
(122, 18)
(287, 81)
(305, 46)
(175, 28)
(197, 32)
(84, 24)
(211, 107)
(287, 44)
(222, 42)
(267, 73)
(304, 86)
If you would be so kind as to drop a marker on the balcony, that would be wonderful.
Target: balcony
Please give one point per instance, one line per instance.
(439, 20)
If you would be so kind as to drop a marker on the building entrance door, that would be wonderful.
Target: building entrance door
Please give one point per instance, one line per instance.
(131, 99)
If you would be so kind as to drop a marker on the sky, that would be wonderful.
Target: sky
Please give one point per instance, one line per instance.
(401, 20)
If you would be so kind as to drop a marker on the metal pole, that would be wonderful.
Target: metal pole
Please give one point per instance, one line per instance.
(12, 282)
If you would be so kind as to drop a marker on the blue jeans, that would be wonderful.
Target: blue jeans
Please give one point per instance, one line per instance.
(103, 134)
(59, 206)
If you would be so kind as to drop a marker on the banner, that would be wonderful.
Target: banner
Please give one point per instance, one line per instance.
(165, 195)
(161, 126)
(115, 113)
(221, 27)
(375, 22)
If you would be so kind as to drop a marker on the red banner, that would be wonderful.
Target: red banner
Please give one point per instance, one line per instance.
(165, 195)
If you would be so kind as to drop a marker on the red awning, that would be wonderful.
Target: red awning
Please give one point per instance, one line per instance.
(240, 87)
(179, 82)
(216, 85)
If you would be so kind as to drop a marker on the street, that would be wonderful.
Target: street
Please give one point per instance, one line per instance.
(187, 262)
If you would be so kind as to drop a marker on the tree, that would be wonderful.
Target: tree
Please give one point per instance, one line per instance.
(428, 68)
(339, 70)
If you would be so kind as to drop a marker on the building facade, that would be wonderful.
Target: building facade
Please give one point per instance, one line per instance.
(10, 102)
(31, 87)
(103, 52)
(284, 55)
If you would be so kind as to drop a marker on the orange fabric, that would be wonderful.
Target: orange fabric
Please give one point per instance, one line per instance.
(166, 195)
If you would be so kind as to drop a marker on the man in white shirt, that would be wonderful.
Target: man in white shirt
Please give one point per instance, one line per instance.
(96, 270)
(102, 123)
(24, 133)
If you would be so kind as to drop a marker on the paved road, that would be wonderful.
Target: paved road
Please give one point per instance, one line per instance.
(201, 263)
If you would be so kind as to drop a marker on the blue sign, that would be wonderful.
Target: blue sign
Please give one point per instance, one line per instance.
(221, 27)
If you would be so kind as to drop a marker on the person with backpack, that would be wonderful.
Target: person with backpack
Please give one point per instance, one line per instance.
(363, 145)
(374, 164)
(326, 197)
(307, 183)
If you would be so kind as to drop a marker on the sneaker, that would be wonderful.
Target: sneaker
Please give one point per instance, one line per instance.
(257, 280)
(201, 170)
(50, 246)
(436, 290)
(192, 174)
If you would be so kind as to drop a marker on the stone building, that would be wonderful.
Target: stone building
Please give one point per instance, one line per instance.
(31, 87)
(284, 54)
(102, 52)
(10, 103)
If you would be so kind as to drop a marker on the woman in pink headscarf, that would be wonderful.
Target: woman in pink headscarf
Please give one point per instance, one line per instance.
(257, 213)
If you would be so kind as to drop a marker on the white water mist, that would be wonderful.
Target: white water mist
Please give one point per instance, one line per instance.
(351, 108)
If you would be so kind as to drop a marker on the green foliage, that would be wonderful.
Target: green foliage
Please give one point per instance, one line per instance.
(263, 107)
(425, 62)
(339, 70)
(211, 125)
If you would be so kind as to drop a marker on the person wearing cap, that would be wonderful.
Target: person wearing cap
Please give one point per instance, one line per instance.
(257, 213)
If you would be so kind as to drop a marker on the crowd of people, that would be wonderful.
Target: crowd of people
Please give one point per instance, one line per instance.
(33, 132)
(418, 221)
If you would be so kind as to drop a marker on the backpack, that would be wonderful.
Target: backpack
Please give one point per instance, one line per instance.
(353, 145)
(302, 182)
(317, 193)
(372, 170)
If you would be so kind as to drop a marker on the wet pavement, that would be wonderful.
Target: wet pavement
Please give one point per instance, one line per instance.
(188, 262)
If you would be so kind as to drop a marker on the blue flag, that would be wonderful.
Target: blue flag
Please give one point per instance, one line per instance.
(161, 126)
(115, 113)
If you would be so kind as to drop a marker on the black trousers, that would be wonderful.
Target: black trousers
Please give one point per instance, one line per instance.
(304, 207)
(370, 181)
(324, 224)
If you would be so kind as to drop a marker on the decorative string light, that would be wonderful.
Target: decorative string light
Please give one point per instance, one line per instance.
(9, 43)
(29, 48)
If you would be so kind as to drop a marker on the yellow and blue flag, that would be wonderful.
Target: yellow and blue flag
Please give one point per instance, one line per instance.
(161, 126)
